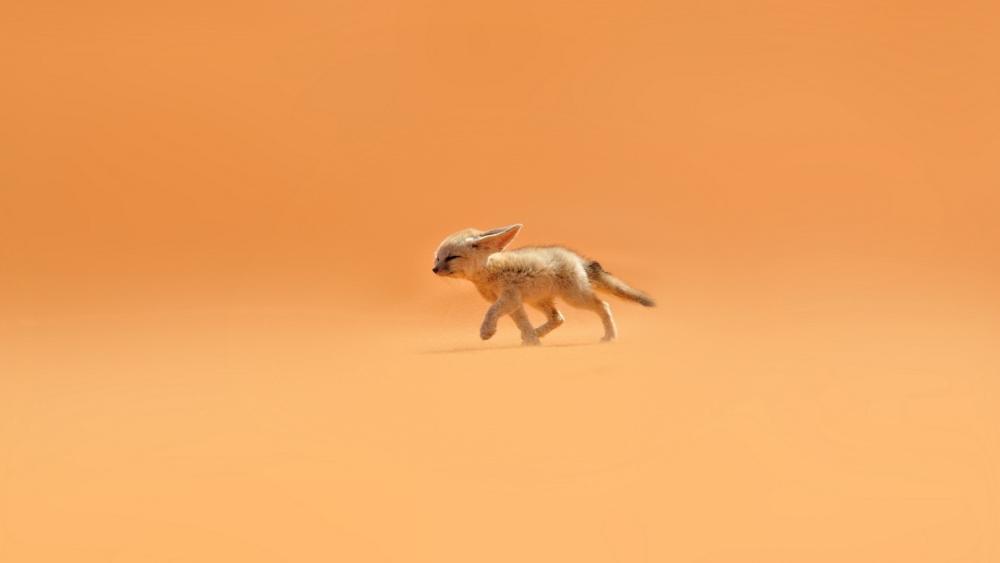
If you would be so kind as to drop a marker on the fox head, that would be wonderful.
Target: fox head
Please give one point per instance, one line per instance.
(465, 252)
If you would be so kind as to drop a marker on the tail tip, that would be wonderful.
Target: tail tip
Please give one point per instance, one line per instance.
(646, 301)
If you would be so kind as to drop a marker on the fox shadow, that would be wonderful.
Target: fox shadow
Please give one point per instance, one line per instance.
(468, 349)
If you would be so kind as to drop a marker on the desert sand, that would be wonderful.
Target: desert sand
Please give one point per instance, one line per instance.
(220, 339)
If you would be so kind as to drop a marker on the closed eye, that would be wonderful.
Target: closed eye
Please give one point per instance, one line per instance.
(450, 258)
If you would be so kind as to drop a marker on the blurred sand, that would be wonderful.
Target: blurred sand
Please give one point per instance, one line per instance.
(220, 339)
(705, 434)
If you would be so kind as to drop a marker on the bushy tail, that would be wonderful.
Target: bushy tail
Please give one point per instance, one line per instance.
(604, 281)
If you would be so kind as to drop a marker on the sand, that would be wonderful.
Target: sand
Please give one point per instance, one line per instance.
(702, 435)
(220, 339)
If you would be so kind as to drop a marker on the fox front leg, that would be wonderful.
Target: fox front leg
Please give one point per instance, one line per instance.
(554, 319)
(528, 336)
(507, 303)
(488, 328)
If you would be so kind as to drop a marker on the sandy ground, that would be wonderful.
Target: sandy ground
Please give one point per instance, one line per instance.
(220, 339)
(707, 433)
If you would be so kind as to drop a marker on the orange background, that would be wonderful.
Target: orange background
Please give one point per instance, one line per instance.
(220, 338)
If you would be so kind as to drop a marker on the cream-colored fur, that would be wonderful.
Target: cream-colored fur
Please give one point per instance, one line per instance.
(535, 276)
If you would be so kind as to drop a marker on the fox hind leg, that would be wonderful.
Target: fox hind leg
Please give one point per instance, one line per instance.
(596, 304)
(604, 311)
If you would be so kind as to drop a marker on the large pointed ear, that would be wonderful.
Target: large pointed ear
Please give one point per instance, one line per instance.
(498, 239)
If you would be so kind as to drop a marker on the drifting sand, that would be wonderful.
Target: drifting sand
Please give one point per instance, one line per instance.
(220, 339)
(703, 435)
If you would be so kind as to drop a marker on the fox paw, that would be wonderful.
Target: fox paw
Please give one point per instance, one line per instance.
(531, 341)
(486, 332)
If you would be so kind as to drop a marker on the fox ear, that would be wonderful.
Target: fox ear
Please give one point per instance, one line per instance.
(498, 239)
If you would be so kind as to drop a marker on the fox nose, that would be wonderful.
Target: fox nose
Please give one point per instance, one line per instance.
(434, 269)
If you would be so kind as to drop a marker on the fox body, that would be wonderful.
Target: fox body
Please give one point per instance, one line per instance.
(533, 276)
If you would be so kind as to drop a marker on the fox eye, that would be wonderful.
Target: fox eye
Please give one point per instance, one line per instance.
(450, 258)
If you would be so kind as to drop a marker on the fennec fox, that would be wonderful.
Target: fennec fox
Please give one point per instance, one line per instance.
(534, 275)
